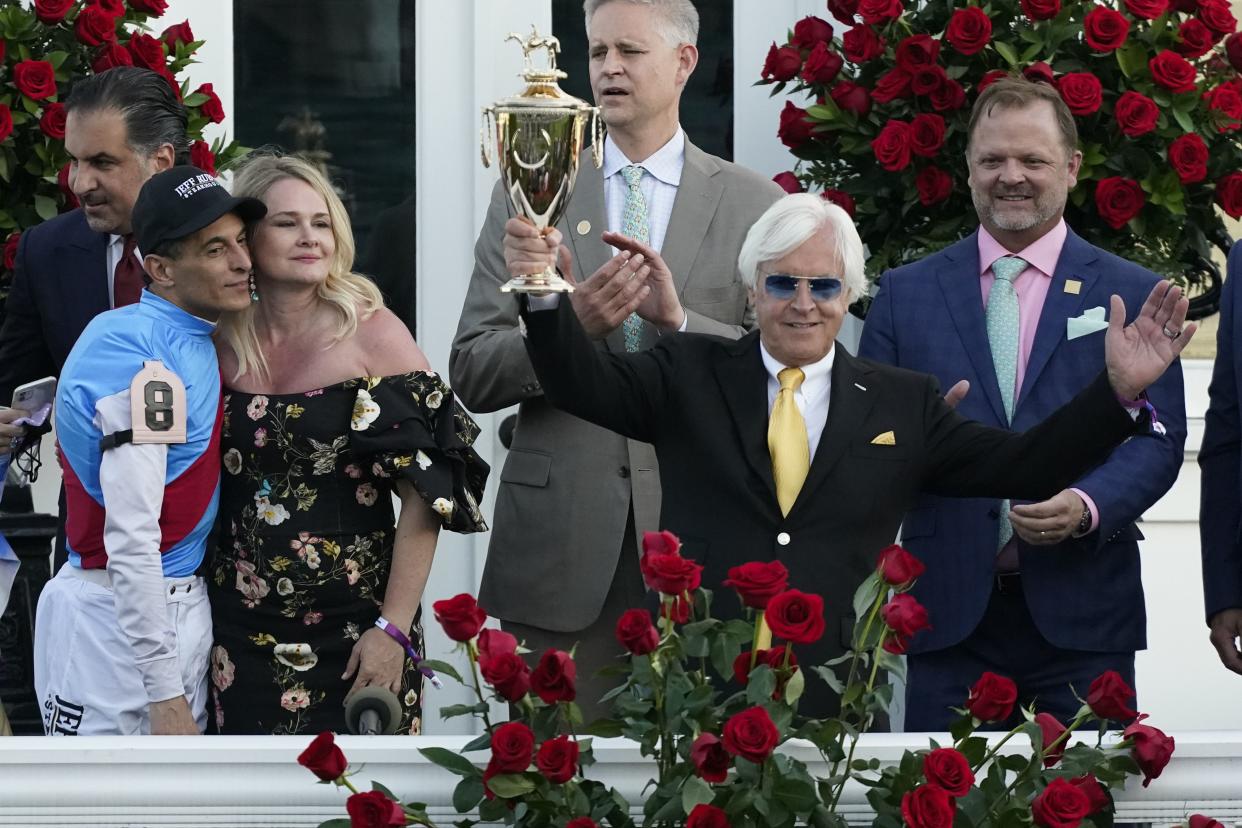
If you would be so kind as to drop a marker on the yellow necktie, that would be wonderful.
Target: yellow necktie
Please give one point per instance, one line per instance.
(787, 440)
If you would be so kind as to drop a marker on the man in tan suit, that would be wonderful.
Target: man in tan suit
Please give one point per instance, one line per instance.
(574, 499)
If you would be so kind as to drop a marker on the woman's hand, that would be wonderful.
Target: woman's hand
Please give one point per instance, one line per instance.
(378, 659)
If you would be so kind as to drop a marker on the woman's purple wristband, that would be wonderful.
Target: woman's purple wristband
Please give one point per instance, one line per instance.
(404, 640)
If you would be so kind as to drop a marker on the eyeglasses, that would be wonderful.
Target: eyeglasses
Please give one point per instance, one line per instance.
(783, 286)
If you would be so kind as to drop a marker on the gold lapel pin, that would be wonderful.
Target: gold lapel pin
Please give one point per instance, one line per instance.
(584, 227)
(1073, 286)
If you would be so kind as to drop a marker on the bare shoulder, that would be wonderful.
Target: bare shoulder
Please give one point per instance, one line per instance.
(387, 346)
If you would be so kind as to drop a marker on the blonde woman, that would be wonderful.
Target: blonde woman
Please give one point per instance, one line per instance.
(330, 406)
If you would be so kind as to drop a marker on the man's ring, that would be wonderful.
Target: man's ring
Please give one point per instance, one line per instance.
(1042, 533)
(1170, 334)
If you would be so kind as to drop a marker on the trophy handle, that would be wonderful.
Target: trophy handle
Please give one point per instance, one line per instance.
(597, 138)
(487, 135)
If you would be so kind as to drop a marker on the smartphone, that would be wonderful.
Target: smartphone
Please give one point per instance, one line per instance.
(33, 396)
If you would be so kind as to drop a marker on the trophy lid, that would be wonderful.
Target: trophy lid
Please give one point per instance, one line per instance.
(542, 89)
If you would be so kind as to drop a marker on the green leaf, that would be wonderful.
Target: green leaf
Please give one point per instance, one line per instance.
(56, 58)
(45, 207)
(830, 678)
(695, 792)
(797, 794)
(795, 687)
(453, 710)
(451, 761)
(467, 794)
(197, 99)
(761, 686)
(894, 664)
(1131, 59)
(510, 785)
(443, 668)
(1183, 119)
(376, 786)
(1006, 51)
(341, 822)
(479, 742)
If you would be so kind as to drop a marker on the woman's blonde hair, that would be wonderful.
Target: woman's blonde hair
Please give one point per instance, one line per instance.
(354, 297)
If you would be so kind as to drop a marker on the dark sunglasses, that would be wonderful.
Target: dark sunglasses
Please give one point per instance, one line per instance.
(784, 286)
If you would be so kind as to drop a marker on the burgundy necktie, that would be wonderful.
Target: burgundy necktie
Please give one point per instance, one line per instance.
(127, 280)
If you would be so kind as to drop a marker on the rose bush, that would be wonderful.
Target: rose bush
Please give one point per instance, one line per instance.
(1154, 88)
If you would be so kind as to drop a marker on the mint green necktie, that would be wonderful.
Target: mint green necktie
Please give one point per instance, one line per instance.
(1002, 319)
(634, 223)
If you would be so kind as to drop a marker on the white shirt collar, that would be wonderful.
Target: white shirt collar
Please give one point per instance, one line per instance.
(665, 164)
(816, 374)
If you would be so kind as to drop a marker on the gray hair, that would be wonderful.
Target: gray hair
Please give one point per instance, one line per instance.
(787, 224)
(679, 20)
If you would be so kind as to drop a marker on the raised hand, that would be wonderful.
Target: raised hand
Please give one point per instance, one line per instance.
(1136, 355)
(527, 252)
(662, 307)
(603, 300)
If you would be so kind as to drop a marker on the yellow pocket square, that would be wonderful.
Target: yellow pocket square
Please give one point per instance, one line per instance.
(885, 439)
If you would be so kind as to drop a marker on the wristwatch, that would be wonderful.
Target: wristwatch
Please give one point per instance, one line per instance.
(1084, 523)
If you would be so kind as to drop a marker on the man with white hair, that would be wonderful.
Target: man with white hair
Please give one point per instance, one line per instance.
(781, 446)
(574, 499)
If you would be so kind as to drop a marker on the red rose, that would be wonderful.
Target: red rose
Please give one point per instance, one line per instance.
(1172, 71)
(1229, 194)
(796, 616)
(212, 109)
(1201, 821)
(555, 677)
(6, 122)
(904, 615)
(178, 34)
(116, 8)
(147, 51)
(789, 182)
(95, 26)
(893, 84)
(581, 822)
(851, 97)
(782, 63)
(917, 51)
(1194, 39)
(493, 643)
(676, 609)
(151, 7)
(992, 698)
(934, 186)
(661, 543)
(844, 10)
(1147, 9)
(1051, 729)
(773, 658)
(758, 582)
(861, 44)
(1226, 100)
(460, 616)
(372, 809)
(52, 12)
(751, 735)
(794, 131)
(892, 146)
(876, 12)
(928, 807)
(969, 30)
(840, 198)
(811, 30)
(1217, 16)
(948, 97)
(821, 65)
(557, 759)
(1136, 114)
(1081, 92)
(62, 181)
(1118, 200)
(707, 816)
(897, 644)
(36, 79)
(990, 78)
(927, 79)
(1039, 72)
(1041, 9)
(1107, 697)
(10, 251)
(111, 55)
(1105, 29)
(636, 633)
(926, 135)
(711, 761)
(323, 758)
(513, 744)
(668, 572)
(1097, 797)
(53, 121)
(1151, 748)
(1060, 805)
(947, 769)
(1186, 6)
(508, 675)
(896, 566)
(1233, 48)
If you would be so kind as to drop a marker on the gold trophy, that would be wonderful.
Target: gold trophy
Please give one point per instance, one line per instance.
(537, 137)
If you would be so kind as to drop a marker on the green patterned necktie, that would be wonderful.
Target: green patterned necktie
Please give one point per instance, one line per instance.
(1002, 319)
(634, 225)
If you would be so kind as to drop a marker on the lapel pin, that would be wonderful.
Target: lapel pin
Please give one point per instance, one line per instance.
(1073, 286)
(860, 387)
(584, 227)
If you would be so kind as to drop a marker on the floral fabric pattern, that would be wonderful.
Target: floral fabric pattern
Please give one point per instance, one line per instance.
(307, 525)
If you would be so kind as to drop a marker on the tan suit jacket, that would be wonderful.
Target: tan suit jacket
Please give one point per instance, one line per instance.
(567, 486)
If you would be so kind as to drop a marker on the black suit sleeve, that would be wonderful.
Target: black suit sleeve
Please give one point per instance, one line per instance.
(967, 459)
(622, 393)
(24, 355)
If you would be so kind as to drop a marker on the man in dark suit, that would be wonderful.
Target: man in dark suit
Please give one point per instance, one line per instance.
(780, 445)
(123, 126)
(574, 499)
(1049, 594)
(1220, 464)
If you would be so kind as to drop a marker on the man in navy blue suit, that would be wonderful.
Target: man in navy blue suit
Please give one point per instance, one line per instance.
(1220, 464)
(1048, 594)
(123, 126)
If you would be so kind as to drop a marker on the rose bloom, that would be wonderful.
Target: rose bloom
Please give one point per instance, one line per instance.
(1041, 9)
(758, 582)
(1229, 194)
(821, 65)
(181, 33)
(840, 198)
(1118, 200)
(927, 79)
(1218, 16)
(52, 123)
(212, 109)
(670, 573)
(897, 567)
(1051, 730)
(151, 7)
(917, 51)
(789, 182)
(969, 30)
(782, 63)
(992, 698)
(893, 84)
(861, 44)
(323, 758)
(1136, 114)
(202, 157)
(773, 658)
(557, 759)
(875, 12)
(1040, 72)
(707, 816)
(513, 745)
(751, 735)
(1233, 49)
(892, 146)
(508, 675)
(1194, 39)
(948, 97)
(1060, 805)
(796, 616)
(811, 30)
(1226, 100)
(1108, 697)
(52, 12)
(636, 633)
(110, 55)
(147, 51)
(94, 26)
(1097, 797)
(661, 543)
(460, 616)
(10, 247)
(843, 10)
(1151, 748)
(1081, 92)
(711, 761)
(554, 679)
(1105, 29)
(493, 643)
(372, 809)
(1201, 821)
(989, 78)
(926, 135)
(794, 129)
(948, 769)
(1172, 71)
(851, 97)
(582, 822)
(904, 615)
(1147, 9)
(928, 807)
(934, 185)
(36, 79)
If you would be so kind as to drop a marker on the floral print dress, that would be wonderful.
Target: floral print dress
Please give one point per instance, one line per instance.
(306, 537)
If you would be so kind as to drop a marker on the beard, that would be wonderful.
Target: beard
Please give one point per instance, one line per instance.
(1044, 209)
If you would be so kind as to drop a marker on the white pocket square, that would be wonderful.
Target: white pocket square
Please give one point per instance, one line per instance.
(1091, 321)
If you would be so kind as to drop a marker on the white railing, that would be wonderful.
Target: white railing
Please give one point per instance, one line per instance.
(255, 781)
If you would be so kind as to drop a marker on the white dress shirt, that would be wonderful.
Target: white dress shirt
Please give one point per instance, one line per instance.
(116, 246)
(811, 397)
(661, 178)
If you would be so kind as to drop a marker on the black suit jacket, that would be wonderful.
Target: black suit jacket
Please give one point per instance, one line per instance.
(60, 284)
(702, 402)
